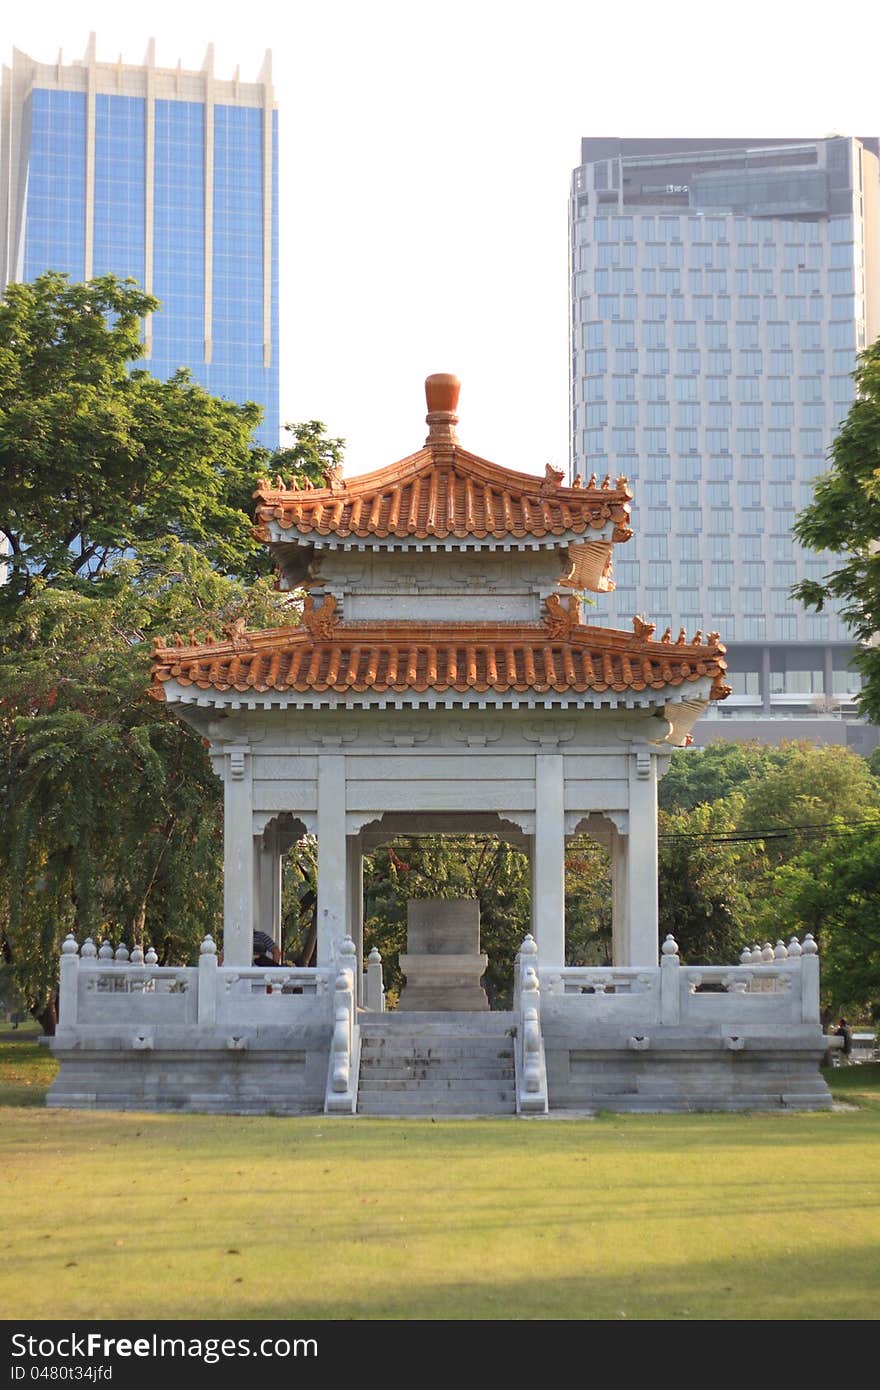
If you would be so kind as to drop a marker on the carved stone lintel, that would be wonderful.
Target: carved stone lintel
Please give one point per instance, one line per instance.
(478, 735)
(548, 735)
(234, 729)
(404, 735)
(327, 737)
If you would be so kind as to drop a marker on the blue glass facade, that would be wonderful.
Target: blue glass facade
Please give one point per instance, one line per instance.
(218, 331)
(56, 185)
(179, 239)
(120, 187)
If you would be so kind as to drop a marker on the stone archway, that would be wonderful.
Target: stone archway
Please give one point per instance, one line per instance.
(447, 945)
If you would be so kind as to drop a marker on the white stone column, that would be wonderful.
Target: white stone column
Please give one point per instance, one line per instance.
(533, 927)
(619, 916)
(548, 880)
(268, 860)
(238, 857)
(355, 916)
(642, 932)
(332, 875)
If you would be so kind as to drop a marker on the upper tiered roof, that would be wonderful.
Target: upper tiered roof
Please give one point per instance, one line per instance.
(443, 491)
(447, 498)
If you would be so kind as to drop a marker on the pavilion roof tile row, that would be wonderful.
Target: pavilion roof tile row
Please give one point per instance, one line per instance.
(356, 658)
(444, 491)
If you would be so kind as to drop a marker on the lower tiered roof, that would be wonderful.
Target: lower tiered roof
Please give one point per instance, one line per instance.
(350, 658)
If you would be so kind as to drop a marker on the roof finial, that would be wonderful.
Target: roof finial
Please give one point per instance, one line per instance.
(441, 393)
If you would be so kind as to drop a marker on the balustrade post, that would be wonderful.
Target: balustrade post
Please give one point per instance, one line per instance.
(809, 970)
(670, 983)
(68, 989)
(207, 1000)
(375, 990)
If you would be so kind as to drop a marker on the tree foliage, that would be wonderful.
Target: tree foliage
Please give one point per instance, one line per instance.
(708, 880)
(700, 775)
(99, 460)
(832, 889)
(127, 502)
(110, 816)
(844, 519)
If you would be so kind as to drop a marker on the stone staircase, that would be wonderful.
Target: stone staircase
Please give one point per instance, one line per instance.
(437, 1064)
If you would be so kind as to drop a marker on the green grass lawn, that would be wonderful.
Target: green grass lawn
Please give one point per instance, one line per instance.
(696, 1216)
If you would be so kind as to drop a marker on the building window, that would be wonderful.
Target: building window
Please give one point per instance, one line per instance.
(718, 494)
(744, 682)
(720, 604)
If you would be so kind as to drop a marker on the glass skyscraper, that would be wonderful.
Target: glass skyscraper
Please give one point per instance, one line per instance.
(169, 177)
(720, 290)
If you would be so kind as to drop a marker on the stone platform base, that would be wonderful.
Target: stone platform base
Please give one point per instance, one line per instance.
(284, 1075)
(439, 1063)
(680, 1074)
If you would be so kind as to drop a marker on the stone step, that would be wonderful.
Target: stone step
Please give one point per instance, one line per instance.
(447, 1022)
(442, 1071)
(493, 1049)
(403, 1108)
(438, 1086)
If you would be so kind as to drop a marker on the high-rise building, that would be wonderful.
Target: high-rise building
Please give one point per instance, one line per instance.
(720, 290)
(167, 176)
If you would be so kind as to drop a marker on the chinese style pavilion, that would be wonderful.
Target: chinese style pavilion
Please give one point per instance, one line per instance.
(442, 679)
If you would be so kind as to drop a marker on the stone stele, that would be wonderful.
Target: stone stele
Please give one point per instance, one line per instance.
(443, 963)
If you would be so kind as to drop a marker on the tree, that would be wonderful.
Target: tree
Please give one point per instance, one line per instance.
(110, 816)
(831, 890)
(844, 519)
(803, 792)
(99, 461)
(127, 502)
(709, 877)
(699, 775)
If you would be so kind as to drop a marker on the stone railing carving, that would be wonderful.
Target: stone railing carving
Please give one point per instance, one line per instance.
(769, 988)
(344, 1067)
(530, 1062)
(102, 988)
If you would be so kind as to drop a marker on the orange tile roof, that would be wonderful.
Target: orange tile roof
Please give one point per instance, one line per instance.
(560, 655)
(443, 491)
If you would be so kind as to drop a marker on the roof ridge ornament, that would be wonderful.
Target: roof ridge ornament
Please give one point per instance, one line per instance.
(441, 393)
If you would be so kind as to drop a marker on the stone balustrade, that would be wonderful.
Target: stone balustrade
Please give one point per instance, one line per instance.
(107, 987)
(771, 986)
(530, 1061)
(344, 1067)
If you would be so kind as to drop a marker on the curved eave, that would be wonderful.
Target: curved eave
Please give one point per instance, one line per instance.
(662, 698)
(272, 534)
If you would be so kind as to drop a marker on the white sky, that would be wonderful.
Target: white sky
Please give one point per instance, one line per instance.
(426, 151)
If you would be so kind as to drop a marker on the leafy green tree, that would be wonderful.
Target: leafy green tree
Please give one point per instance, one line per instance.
(807, 788)
(110, 816)
(843, 523)
(832, 889)
(698, 775)
(708, 881)
(99, 461)
(126, 501)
